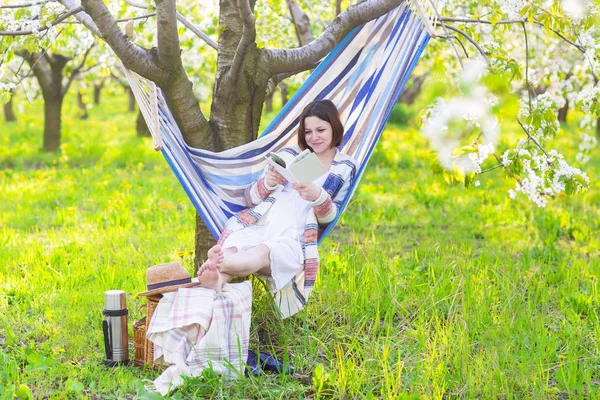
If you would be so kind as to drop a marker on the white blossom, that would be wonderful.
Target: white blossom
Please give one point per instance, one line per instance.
(512, 8)
(539, 185)
(575, 9)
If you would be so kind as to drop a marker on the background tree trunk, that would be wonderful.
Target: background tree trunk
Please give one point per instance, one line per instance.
(562, 113)
(269, 102)
(132, 103)
(9, 113)
(97, 92)
(140, 126)
(83, 112)
(283, 87)
(338, 6)
(598, 128)
(301, 23)
(412, 89)
(52, 121)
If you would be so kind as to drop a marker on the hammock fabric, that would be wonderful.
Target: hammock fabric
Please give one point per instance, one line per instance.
(363, 76)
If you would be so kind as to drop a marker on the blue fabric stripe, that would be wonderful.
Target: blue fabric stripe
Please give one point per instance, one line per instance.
(237, 180)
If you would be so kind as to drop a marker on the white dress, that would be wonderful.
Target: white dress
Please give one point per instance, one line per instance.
(281, 229)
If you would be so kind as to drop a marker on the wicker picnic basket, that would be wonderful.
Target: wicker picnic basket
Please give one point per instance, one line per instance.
(144, 349)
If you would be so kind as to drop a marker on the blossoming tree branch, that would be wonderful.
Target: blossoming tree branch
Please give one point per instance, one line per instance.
(544, 52)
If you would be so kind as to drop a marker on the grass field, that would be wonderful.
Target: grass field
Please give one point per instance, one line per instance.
(425, 290)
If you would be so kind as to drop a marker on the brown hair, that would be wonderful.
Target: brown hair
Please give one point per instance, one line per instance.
(325, 110)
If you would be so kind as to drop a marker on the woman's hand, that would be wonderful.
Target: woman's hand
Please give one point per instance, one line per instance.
(308, 191)
(273, 177)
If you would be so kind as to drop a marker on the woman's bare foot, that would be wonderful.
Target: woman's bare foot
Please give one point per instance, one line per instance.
(215, 254)
(210, 277)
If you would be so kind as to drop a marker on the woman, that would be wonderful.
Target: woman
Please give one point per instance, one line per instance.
(276, 237)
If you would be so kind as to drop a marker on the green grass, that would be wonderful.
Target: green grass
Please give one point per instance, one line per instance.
(425, 290)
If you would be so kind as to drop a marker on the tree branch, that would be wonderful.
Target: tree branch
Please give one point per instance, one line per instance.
(169, 51)
(509, 21)
(133, 56)
(527, 66)
(470, 39)
(185, 23)
(481, 21)
(39, 66)
(82, 17)
(77, 69)
(138, 5)
(458, 40)
(197, 31)
(532, 138)
(145, 16)
(49, 25)
(24, 5)
(247, 40)
(286, 60)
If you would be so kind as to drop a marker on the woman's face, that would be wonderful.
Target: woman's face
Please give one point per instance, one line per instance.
(318, 134)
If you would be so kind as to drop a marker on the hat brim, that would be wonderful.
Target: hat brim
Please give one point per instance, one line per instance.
(167, 289)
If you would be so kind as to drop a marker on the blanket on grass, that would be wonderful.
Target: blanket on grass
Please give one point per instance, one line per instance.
(197, 328)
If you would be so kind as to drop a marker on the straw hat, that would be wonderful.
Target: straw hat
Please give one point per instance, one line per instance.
(167, 278)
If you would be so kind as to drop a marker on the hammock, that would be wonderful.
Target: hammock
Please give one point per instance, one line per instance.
(363, 76)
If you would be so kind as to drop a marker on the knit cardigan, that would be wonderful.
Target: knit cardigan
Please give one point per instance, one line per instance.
(260, 197)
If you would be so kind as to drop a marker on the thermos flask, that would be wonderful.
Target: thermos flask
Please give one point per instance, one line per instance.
(114, 325)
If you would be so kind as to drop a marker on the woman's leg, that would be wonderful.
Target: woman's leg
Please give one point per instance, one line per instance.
(222, 265)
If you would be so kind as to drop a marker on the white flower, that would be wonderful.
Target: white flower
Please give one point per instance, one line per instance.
(575, 9)
(477, 183)
(512, 8)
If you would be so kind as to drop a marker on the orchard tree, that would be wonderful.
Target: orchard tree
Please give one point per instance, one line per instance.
(56, 56)
(508, 37)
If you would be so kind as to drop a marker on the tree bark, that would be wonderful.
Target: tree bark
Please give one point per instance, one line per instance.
(97, 92)
(269, 102)
(598, 128)
(413, 89)
(52, 120)
(132, 103)
(9, 113)
(283, 87)
(301, 23)
(48, 69)
(83, 113)
(562, 113)
(141, 127)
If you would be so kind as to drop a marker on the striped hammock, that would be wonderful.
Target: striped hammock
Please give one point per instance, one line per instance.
(363, 76)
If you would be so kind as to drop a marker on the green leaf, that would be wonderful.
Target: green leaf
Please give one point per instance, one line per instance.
(24, 393)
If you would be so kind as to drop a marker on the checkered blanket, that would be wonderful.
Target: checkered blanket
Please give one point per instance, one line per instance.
(196, 328)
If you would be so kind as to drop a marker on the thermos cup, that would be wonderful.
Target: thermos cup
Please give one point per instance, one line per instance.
(114, 325)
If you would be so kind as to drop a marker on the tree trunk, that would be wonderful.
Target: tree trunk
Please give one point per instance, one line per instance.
(132, 102)
(83, 113)
(48, 69)
(301, 23)
(97, 91)
(562, 113)
(269, 102)
(283, 87)
(413, 89)
(52, 120)
(9, 113)
(141, 127)
(598, 128)
(338, 6)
